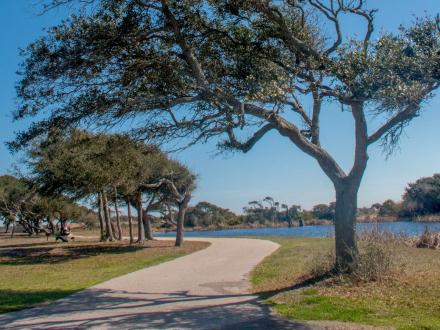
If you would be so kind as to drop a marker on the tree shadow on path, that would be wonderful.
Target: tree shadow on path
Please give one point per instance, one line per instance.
(102, 308)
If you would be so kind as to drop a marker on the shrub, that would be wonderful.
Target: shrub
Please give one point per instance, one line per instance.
(428, 239)
(376, 260)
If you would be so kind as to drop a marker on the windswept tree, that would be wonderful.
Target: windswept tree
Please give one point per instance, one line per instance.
(21, 203)
(110, 168)
(202, 69)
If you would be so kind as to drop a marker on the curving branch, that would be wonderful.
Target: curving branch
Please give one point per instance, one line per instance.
(331, 13)
(186, 49)
(246, 146)
(294, 43)
(368, 15)
(399, 119)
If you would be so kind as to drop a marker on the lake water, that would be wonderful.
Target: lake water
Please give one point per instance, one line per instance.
(401, 227)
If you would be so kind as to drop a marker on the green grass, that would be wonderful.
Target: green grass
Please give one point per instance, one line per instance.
(39, 272)
(410, 300)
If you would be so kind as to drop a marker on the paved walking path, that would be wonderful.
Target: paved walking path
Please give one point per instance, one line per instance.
(204, 290)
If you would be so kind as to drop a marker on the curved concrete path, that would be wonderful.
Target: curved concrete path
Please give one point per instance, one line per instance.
(204, 290)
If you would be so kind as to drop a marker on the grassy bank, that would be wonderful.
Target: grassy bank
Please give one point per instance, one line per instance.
(33, 271)
(410, 299)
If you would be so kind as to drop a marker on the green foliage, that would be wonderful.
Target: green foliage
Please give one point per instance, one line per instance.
(389, 208)
(81, 164)
(423, 196)
(136, 63)
(270, 211)
(324, 211)
(22, 203)
(205, 214)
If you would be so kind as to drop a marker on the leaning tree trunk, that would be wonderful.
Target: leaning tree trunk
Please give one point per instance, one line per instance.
(183, 205)
(141, 233)
(345, 226)
(108, 224)
(100, 217)
(118, 221)
(147, 226)
(130, 222)
(13, 228)
(50, 224)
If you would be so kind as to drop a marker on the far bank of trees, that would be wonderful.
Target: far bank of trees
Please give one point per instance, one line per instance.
(420, 199)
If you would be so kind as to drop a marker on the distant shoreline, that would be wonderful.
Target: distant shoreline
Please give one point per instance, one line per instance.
(425, 219)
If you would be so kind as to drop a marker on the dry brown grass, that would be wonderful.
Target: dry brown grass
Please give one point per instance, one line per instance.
(408, 298)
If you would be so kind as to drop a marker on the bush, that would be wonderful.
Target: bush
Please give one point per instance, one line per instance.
(428, 239)
(376, 260)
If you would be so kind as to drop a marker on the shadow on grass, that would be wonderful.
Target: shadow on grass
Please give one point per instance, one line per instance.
(12, 300)
(58, 254)
(304, 283)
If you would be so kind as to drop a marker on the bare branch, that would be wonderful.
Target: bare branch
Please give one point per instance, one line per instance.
(246, 146)
(401, 117)
(299, 109)
(294, 43)
(368, 15)
(332, 15)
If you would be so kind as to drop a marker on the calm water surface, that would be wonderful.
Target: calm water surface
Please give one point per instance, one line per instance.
(407, 228)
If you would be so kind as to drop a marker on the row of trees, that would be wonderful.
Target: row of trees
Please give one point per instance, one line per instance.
(111, 171)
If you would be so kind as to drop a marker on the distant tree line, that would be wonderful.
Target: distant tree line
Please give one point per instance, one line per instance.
(420, 198)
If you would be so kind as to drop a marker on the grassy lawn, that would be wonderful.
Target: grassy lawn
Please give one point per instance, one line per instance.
(33, 271)
(408, 300)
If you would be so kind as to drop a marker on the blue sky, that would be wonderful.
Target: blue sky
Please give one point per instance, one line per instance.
(274, 167)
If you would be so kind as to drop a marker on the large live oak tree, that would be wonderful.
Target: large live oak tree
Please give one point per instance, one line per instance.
(198, 69)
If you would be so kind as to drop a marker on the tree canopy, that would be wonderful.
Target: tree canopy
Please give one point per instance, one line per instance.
(200, 69)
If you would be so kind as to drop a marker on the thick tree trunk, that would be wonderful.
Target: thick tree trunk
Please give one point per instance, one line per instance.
(118, 221)
(108, 224)
(130, 222)
(181, 218)
(345, 226)
(141, 232)
(7, 226)
(100, 217)
(147, 226)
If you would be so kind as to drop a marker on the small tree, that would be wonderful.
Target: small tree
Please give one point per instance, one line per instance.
(201, 69)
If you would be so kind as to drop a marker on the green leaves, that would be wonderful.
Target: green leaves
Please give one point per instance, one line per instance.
(81, 163)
